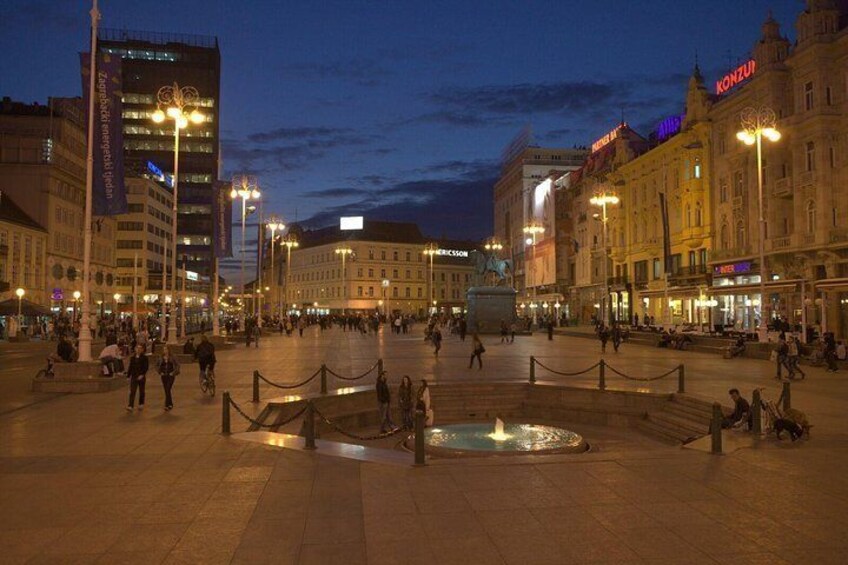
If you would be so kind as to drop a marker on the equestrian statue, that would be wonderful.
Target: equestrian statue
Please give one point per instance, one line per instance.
(485, 263)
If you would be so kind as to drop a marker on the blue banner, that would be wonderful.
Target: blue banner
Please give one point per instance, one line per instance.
(108, 190)
(222, 219)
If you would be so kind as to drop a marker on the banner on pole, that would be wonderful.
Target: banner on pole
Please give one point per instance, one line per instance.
(222, 219)
(666, 234)
(108, 191)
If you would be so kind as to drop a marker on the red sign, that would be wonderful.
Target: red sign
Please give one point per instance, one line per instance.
(731, 79)
(607, 138)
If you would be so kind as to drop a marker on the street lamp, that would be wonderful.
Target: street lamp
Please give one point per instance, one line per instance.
(756, 124)
(274, 225)
(117, 297)
(431, 249)
(533, 229)
(20, 294)
(289, 241)
(248, 189)
(603, 199)
(179, 104)
(385, 285)
(77, 295)
(344, 252)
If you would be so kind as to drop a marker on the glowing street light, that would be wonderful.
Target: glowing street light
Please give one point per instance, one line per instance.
(603, 200)
(344, 252)
(245, 187)
(274, 225)
(20, 294)
(289, 241)
(758, 123)
(431, 249)
(533, 229)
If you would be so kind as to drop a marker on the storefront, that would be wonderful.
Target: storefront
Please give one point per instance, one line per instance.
(827, 309)
(739, 303)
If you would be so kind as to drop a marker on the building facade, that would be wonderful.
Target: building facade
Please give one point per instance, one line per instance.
(149, 62)
(42, 167)
(23, 245)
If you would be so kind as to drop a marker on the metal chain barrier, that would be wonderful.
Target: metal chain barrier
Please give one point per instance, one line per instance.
(563, 373)
(642, 379)
(356, 378)
(288, 387)
(345, 433)
(269, 426)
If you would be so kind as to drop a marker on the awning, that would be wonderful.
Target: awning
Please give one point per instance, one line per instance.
(10, 308)
(676, 292)
(831, 284)
(140, 308)
(771, 287)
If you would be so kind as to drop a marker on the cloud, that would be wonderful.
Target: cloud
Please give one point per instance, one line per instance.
(40, 14)
(284, 133)
(363, 72)
(334, 193)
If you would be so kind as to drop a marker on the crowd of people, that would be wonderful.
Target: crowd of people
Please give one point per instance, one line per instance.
(405, 402)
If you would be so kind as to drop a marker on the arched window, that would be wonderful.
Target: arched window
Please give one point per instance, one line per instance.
(740, 234)
(724, 237)
(699, 220)
(811, 217)
(688, 215)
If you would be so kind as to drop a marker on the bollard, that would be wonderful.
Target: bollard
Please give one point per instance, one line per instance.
(323, 379)
(757, 412)
(255, 386)
(225, 413)
(310, 426)
(681, 379)
(379, 366)
(787, 396)
(715, 427)
(419, 438)
(532, 369)
(602, 376)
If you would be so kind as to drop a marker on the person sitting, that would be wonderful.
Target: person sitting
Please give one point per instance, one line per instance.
(188, 348)
(741, 411)
(737, 348)
(665, 340)
(110, 357)
(65, 350)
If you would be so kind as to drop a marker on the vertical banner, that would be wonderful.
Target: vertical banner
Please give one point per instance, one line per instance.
(222, 219)
(666, 234)
(108, 190)
(541, 260)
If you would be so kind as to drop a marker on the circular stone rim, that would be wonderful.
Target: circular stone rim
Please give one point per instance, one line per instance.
(450, 452)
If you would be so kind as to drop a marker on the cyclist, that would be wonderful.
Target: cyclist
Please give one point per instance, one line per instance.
(205, 355)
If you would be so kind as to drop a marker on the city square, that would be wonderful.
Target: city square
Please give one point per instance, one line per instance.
(379, 283)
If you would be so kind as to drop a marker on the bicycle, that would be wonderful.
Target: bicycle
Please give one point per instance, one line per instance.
(207, 381)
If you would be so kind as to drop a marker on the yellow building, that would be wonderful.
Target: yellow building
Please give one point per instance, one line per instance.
(23, 243)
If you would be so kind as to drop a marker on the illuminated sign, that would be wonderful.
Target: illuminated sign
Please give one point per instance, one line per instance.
(733, 269)
(57, 295)
(607, 138)
(670, 126)
(741, 73)
(452, 252)
(351, 222)
(160, 175)
(191, 275)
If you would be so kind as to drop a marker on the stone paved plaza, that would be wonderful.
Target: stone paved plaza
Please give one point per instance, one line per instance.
(83, 481)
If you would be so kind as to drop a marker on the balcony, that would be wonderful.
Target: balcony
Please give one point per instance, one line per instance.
(783, 188)
(779, 243)
(807, 179)
(838, 235)
(738, 202)
(619, 281)
(690, 275)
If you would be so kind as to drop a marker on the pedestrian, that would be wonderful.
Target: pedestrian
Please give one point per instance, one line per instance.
(781, 353)
(437, 340)
(477, 350)
(168, 368)
(603, 335)
(257, 331)
(423, 403)
(830, 352)
(503, 331)
(137, 374)
(794, 357)
(384, 399)
(405, 402)
(616, 336)
(513, 327)
(550, 330)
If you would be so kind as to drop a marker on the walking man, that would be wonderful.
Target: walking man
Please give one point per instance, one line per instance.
(137, 373)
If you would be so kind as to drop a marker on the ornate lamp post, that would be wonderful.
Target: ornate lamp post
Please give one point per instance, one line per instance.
(289, 241)
(756, 124)
(20, 294)
(116, 297)
(246, 188)
(176, 103)
(344, 252)
(431, 249)
(604, 199)
(274, 225)
(76, 295)
(533, 229)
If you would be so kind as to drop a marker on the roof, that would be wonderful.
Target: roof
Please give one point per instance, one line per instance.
(11, 213)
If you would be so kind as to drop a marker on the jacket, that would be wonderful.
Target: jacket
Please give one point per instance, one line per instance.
(383, 394)
(138, 366)
(169, 367)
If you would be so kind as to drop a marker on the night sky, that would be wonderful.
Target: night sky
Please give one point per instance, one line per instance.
(400, 110)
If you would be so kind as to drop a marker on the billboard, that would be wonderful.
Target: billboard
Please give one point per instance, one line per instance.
(222, 219)
(351, 223)
(540, 259)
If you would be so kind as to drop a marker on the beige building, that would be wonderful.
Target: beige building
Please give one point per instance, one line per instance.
(386, 271)
(805, 179)
(23, 243)
(42, 167)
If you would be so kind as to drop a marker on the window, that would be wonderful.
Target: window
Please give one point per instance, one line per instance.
(828, 96)
(420, 292)
(395, 292)
(811, 217)
(834, 216)
(697, 168)
(370, 291)
(698, 215)
(370, 273)
(740, 234)
(811, 156)
(832, 157)
(657, 269)
(359, 272)
(408, 292)
(808, 96)
(688, 216)
(408, 274)
(395, 273)
(359, 291)
(408, 257)
(395, 255)
(383, 255)
(371, 254)
(738, 184)
(382, 273)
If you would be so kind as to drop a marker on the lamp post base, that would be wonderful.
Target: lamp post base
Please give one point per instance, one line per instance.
(172, 334)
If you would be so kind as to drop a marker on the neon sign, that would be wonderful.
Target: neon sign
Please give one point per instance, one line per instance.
(452, 252)
(670, 126)
(160, 175)
(605, 140)
(733, 268)
(741, 73)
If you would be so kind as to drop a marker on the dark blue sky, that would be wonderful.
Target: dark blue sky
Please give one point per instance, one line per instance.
(400, 110)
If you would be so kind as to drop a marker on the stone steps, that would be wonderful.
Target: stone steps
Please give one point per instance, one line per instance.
(680, 420)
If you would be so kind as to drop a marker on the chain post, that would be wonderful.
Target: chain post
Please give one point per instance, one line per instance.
(310, 426)
(602, 375)
(787, 396)
(532, 369)
(419, 438)
(225, 413)
(323, 379)
(757, 412)
(715, 428)
(379, 366)
(255, 386)
(681, 379)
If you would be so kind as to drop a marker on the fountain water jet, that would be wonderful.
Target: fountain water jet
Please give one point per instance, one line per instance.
(498, 434)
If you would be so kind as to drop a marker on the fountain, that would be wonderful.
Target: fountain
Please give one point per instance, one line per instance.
(479, 440)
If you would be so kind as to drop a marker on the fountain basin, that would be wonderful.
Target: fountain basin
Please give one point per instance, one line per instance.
(478, 440)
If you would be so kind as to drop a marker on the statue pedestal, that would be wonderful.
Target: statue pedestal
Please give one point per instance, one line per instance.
(488, 306)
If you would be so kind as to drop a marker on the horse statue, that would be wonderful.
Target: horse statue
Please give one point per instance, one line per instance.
(485, 263)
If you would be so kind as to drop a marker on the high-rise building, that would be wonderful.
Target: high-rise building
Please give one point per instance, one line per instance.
(149, 62)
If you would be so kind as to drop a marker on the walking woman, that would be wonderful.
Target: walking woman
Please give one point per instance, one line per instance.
(405, 401)
(477, 350)
(423, 403)
(137, 373)
(169, 368)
